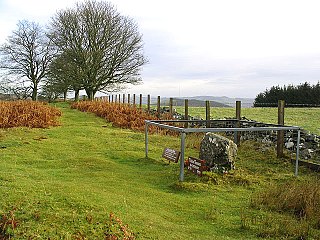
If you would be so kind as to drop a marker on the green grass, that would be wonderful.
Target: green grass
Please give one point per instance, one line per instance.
(306, 118)
(63, 182)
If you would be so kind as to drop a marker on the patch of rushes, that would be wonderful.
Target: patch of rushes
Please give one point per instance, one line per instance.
(294, 210)
(276, 226)
(28, 114)
(301, 198)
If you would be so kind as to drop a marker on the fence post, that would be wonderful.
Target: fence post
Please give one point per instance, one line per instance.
(171, 106)
(112, 98)
(280, 134)
(134, 100)
(116, 98)
(119, 98)
(186, 112)
(237, 135)
(123, 98)
(129, 98)
(109, 98)
(148, 103)
(140, 102)
(207, 114)
(158, 107)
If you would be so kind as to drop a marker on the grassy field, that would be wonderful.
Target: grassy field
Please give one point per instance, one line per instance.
(306, 118)
(63, 183)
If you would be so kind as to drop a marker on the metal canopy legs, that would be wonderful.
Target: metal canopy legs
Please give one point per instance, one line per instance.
(184, 131)
(297, 154)
(183, 141)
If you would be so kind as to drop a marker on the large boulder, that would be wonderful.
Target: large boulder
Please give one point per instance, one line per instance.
(219, 152)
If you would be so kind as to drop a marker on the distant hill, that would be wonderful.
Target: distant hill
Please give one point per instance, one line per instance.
(192, 102)
(199, 101)
(245, 102)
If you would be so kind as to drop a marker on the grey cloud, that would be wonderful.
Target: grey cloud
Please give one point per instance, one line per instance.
(240, 77)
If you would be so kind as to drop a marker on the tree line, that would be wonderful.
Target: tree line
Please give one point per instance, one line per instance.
(302, 94)
(89, 47)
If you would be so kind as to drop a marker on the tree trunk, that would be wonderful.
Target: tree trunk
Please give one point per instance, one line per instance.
(76, 95)
(65, 96)
(35, 93)
(91, 97)
(90, 94)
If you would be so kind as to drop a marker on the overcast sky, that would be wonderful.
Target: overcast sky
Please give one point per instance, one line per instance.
(234, 48)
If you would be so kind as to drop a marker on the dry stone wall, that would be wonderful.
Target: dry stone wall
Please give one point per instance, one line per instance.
(309, 143)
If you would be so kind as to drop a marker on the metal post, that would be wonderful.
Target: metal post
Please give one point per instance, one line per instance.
(297, 154)
(182, 147)
(146, 138)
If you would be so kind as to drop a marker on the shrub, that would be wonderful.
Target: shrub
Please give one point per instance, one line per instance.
(28, 114)
(121, 115)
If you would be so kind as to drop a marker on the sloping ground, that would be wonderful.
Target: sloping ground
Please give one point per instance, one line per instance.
(63, 182)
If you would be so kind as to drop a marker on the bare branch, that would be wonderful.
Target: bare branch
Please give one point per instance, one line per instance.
(27, 54)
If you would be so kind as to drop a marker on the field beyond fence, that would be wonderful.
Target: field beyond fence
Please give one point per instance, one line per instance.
(306, 118)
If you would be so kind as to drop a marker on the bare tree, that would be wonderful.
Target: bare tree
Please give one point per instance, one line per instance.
(65, 75)
(106, 46)
(26, 55)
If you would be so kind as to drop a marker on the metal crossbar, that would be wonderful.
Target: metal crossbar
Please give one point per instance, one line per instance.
(184, 131)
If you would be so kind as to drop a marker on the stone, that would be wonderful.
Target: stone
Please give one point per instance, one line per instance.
(218, 151)
(289, 145)
(306, 154)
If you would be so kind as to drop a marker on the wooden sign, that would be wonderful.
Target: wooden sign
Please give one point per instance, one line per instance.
(171, 154)
(197, 166)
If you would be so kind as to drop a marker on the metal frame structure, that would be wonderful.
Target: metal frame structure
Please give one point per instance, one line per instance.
(184, 131)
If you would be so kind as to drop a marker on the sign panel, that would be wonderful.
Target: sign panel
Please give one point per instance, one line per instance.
(197, 166)
(171, 154)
